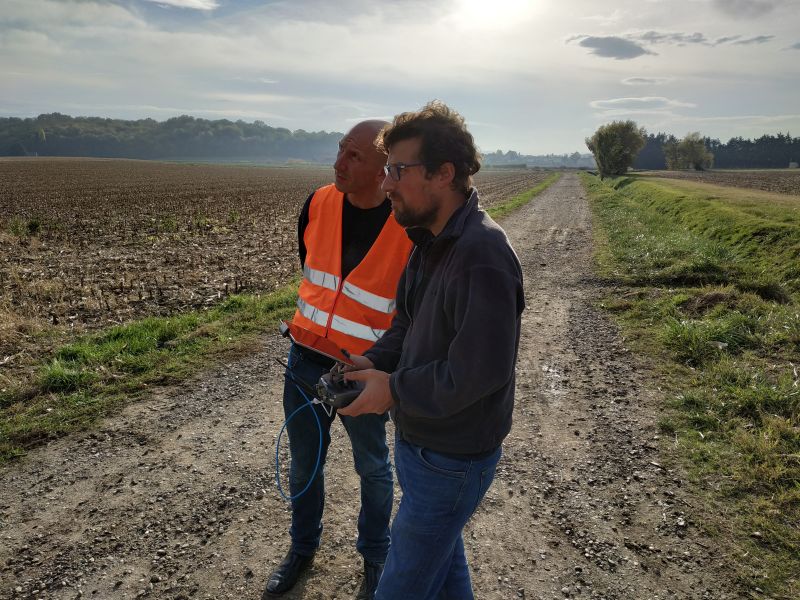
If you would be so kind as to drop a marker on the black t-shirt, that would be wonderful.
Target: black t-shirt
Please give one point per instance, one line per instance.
(360, 229)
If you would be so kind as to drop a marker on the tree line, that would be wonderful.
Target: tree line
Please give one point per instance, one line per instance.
(766, 152)
(56, 134)
(619, 145)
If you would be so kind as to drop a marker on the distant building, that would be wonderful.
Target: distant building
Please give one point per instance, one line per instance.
(793, 165)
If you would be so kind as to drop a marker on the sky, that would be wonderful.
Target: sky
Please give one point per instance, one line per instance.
(536, 77)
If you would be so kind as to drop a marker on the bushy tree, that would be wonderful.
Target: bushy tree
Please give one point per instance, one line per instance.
(688, 153)
(615, 146)
(693, 152)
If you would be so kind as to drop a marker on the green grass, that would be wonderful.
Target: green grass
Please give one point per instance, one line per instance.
(24, 228)
(87, 379)
(500, 210)
(708, 286)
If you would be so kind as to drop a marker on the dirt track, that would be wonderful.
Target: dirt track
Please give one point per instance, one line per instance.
(175, 497)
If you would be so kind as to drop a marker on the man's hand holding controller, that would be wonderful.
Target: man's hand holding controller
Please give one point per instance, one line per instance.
(376, 396)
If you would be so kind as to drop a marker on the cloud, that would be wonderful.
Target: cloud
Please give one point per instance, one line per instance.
(646, 80)
(681, 39)
(56, 16)
(745, 9)
(645, 103)
(195, 4)
(759, 39)
(248, 98)
(726, 39)
(639, 107)
(612, 47)
(32, 43)
(794, 46)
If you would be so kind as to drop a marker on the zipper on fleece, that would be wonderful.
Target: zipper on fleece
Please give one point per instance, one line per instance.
(418, 277)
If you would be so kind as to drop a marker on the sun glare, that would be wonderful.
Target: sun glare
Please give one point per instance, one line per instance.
(492, 14)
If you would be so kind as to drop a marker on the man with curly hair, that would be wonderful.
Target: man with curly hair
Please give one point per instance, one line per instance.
(445, 367)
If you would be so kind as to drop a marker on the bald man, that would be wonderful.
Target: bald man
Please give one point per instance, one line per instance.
(352, 252)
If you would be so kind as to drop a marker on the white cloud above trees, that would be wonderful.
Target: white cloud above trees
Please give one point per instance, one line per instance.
(194, 4)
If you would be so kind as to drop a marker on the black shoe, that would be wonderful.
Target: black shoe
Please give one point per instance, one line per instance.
(286, 575)
(372, 573)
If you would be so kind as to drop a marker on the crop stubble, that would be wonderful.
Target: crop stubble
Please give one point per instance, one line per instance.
(87, 243)
(784, 181)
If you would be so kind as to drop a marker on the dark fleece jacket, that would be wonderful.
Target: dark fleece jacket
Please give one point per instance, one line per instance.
(452, 346)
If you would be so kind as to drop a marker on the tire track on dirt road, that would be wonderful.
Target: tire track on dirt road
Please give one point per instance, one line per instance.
(174, 497)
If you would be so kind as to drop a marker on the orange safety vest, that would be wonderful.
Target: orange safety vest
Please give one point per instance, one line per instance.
(356, 311)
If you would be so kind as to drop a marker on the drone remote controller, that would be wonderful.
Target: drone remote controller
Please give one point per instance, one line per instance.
(334, 390)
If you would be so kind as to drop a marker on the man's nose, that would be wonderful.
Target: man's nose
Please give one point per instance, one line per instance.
(339, 163)
(388, 183)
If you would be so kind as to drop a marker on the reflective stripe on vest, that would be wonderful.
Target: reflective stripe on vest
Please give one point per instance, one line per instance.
(346, 326)
(312, 313)
(321, 278)
(356, 330)
(362, 296)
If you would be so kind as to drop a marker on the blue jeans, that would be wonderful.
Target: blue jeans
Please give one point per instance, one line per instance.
(370, 454)
(440, 494)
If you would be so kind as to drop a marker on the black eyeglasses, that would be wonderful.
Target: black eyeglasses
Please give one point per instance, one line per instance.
(395, 170)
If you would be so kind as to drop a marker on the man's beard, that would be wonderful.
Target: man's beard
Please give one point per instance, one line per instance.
(409, 218)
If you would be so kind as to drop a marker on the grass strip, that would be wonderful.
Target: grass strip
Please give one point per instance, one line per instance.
(500, 210)
(86, 379)
(708, 285)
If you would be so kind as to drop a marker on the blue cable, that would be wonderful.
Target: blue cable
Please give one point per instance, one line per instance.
(278, 444)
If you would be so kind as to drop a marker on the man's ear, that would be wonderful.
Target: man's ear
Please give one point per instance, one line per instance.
(446, 173)
(381, 175)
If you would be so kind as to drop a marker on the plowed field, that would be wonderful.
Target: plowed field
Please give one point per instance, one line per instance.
(780, 181)
(89, 243)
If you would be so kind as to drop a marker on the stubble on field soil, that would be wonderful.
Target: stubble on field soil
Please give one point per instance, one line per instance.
(175, 497)
(86, 244)
(780, 181)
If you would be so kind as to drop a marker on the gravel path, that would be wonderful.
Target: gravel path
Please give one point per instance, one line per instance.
(175, 497)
